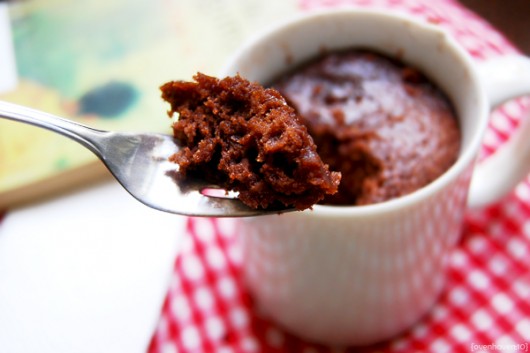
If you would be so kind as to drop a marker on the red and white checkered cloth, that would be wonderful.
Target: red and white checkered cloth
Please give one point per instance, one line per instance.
(486, 304)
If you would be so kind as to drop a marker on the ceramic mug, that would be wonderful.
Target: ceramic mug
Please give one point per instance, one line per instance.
(360, 274)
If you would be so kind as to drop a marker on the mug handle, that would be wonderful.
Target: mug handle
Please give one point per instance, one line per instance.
(503, 78)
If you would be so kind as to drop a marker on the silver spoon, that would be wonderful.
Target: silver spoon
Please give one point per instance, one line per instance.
(140, 163)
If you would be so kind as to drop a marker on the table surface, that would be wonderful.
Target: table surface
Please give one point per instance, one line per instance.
(86, 272)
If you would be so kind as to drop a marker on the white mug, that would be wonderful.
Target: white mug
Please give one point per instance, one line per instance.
(360, 274)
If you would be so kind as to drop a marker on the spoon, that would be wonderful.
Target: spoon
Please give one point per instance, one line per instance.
(140, 164)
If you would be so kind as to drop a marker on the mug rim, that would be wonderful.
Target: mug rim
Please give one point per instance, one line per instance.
(466, 156)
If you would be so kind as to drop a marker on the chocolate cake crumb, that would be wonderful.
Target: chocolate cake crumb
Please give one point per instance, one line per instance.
(246, 138)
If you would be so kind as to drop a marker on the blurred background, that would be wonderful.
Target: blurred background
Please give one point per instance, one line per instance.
(510, 17)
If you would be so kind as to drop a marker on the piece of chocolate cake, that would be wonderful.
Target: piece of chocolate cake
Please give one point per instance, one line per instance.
(246, 138)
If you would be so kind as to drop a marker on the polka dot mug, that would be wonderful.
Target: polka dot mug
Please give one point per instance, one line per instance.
(360, 274)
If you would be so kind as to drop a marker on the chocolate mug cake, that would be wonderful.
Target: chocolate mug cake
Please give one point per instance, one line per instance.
(356, 275)
(382, 124)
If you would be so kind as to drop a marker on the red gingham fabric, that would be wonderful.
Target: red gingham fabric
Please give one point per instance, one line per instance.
(484, 308)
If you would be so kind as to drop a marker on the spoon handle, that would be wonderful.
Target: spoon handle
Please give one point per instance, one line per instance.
(88, 137)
